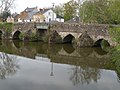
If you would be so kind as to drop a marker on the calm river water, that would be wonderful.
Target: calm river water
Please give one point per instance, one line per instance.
(38, 66)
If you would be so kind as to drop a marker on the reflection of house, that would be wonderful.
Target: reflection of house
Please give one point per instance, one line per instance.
(10, 19)
(26, 15)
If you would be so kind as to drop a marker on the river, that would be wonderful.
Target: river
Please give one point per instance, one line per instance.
(39, 66)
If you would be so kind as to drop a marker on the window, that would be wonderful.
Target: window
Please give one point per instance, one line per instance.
(49, 13)
(49, 19)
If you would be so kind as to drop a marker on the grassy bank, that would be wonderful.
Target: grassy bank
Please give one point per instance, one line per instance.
(115, 52)
(115, 34)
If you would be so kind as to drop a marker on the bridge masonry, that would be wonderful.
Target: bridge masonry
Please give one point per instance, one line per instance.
(81, 34)
(84, 34)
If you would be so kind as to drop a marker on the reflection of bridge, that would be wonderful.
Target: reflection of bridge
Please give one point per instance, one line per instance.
(84, 35)
(60, 54)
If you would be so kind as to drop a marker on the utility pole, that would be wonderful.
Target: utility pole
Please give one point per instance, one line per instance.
(79, 10)
(53, 10)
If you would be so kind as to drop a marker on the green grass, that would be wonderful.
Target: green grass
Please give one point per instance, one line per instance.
(115, 34)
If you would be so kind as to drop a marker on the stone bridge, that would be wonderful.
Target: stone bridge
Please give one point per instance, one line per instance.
(84, 34)
(81, 34)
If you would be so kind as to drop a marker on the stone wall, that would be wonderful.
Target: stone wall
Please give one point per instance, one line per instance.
(92, 29)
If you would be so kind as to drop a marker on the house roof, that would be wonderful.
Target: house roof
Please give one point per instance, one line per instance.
(58, 16)
(74, 20)
(30, 9)
(14, 14)
(42, 11)
(30, 12)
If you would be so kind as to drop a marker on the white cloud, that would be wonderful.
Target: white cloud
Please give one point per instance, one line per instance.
(22, 4)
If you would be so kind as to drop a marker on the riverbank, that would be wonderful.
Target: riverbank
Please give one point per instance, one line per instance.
(115, 52)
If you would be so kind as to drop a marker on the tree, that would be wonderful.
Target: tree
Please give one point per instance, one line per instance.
(59, 10)
(5, 5)
(5, 14)
(114, 10)
(70, 9)
(101, 11)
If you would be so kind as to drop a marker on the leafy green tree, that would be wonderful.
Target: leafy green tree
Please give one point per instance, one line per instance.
(59, 10)
(114, 10)
(100, 11)
(70, 9)
(5, 14)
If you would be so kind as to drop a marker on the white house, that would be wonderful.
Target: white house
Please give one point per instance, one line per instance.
(59, 18)
(47, 15)
(10, 19)
(43, 15)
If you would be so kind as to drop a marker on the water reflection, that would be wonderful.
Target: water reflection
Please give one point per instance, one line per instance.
(84, 75)
(67, 54)
(81, 66)
(68, 48)
(64, 54)
(8, 65)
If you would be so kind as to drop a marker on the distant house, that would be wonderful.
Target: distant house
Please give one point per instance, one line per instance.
(46, 15)
(27, 14)
(15, 16)
(10, 19)
(43, 15)
(59, 18)
(39, 17)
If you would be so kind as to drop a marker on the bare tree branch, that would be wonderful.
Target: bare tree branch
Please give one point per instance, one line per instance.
(5, 5)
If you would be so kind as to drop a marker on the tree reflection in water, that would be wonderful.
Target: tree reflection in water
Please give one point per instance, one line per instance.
(8, 65)
(84, 75)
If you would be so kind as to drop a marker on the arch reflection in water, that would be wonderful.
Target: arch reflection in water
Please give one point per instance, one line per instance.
(17, 43)
(68, 48)
(8, 65)
(1, 34)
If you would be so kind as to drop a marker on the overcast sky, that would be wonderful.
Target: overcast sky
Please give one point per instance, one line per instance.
(22, 4)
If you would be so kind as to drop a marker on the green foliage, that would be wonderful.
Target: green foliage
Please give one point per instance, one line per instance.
(115, 34)
(101, 11)
(21, 36)
(1, 25)
(115, 54)
(70, 10)
(59, 10)
(7, 27)
(33, 36)
(5, 14)
(105, 45)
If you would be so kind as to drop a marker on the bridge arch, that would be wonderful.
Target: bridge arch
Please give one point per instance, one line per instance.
(68, 39)
(99, 42)
(16, 35)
